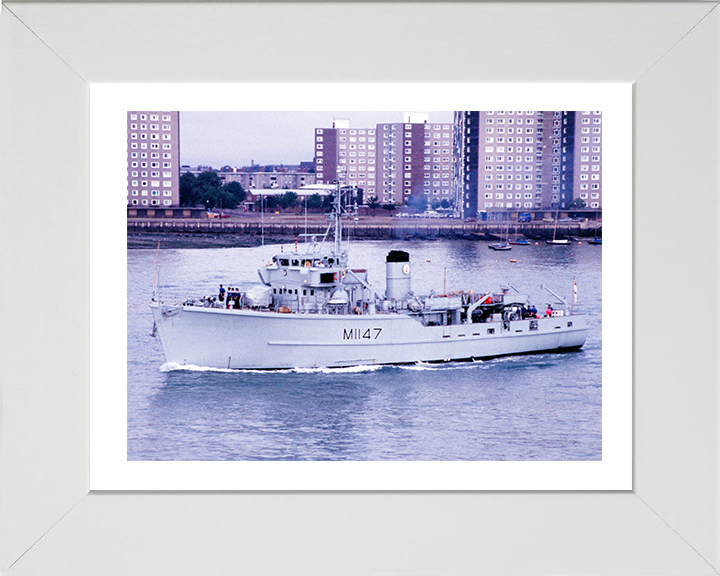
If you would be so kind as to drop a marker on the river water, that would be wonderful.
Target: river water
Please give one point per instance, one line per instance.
(536, 407)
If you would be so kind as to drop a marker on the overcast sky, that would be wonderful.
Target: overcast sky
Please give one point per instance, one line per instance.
(235, 138)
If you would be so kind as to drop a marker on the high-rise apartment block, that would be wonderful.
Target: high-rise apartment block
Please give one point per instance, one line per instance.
(390, 161)
(582, 147)
(347, 154)
(527, 160)
(466, 154)
(153, 158)
(414, 158)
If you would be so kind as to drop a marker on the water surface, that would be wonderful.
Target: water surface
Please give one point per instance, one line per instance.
(536, 407)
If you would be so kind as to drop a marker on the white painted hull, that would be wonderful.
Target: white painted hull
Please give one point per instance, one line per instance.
(218, 338)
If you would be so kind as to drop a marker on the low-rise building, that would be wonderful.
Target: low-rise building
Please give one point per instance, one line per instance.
(259, 177)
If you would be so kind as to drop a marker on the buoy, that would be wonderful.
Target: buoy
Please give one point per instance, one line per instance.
(536, 243)
(428, 260)
(513, 260)
(579, 242)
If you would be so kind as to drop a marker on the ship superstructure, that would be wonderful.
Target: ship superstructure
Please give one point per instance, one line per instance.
(313, 309)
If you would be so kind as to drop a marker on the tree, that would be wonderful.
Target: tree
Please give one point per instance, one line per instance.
(232, 194)
(188, 195)
(577, 203)
(445, 203)
(373, 203)
(267, 203)
(390, 207)
(417, 203)
(207, 189)
(314, 201)
(271, 202)
(288, 200)
(208, 180)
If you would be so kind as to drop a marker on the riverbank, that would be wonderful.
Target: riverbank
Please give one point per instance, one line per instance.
(245, 232)
(169, 240)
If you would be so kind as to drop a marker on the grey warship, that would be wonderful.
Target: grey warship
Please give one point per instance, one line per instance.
(312, 309)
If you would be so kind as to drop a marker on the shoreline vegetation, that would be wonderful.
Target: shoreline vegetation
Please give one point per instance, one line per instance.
(285, 229)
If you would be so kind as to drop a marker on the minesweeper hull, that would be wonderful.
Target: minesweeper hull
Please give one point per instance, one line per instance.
(248, 339)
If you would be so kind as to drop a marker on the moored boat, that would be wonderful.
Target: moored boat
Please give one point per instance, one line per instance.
(555, 240)
(519, 241)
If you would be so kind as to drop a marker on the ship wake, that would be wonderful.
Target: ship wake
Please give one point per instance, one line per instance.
(174, 367)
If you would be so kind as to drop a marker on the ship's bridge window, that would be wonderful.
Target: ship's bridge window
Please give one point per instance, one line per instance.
(331, 261)
(284, 262)
(296, 262)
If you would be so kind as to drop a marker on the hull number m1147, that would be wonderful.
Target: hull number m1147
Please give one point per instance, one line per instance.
(359, 334)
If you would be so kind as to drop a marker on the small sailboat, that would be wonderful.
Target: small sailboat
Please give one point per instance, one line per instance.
(595, 239)
(502, 245)
(520, 241)
(554, 239)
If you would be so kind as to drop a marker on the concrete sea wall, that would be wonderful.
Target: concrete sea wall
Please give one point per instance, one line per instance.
(395, 228)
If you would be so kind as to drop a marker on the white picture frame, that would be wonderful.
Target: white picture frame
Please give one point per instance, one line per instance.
(50, 52)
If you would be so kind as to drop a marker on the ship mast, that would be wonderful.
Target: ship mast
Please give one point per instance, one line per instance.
(338, 219)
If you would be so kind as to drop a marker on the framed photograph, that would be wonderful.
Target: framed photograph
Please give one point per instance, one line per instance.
(584, 442)
(61, 364)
